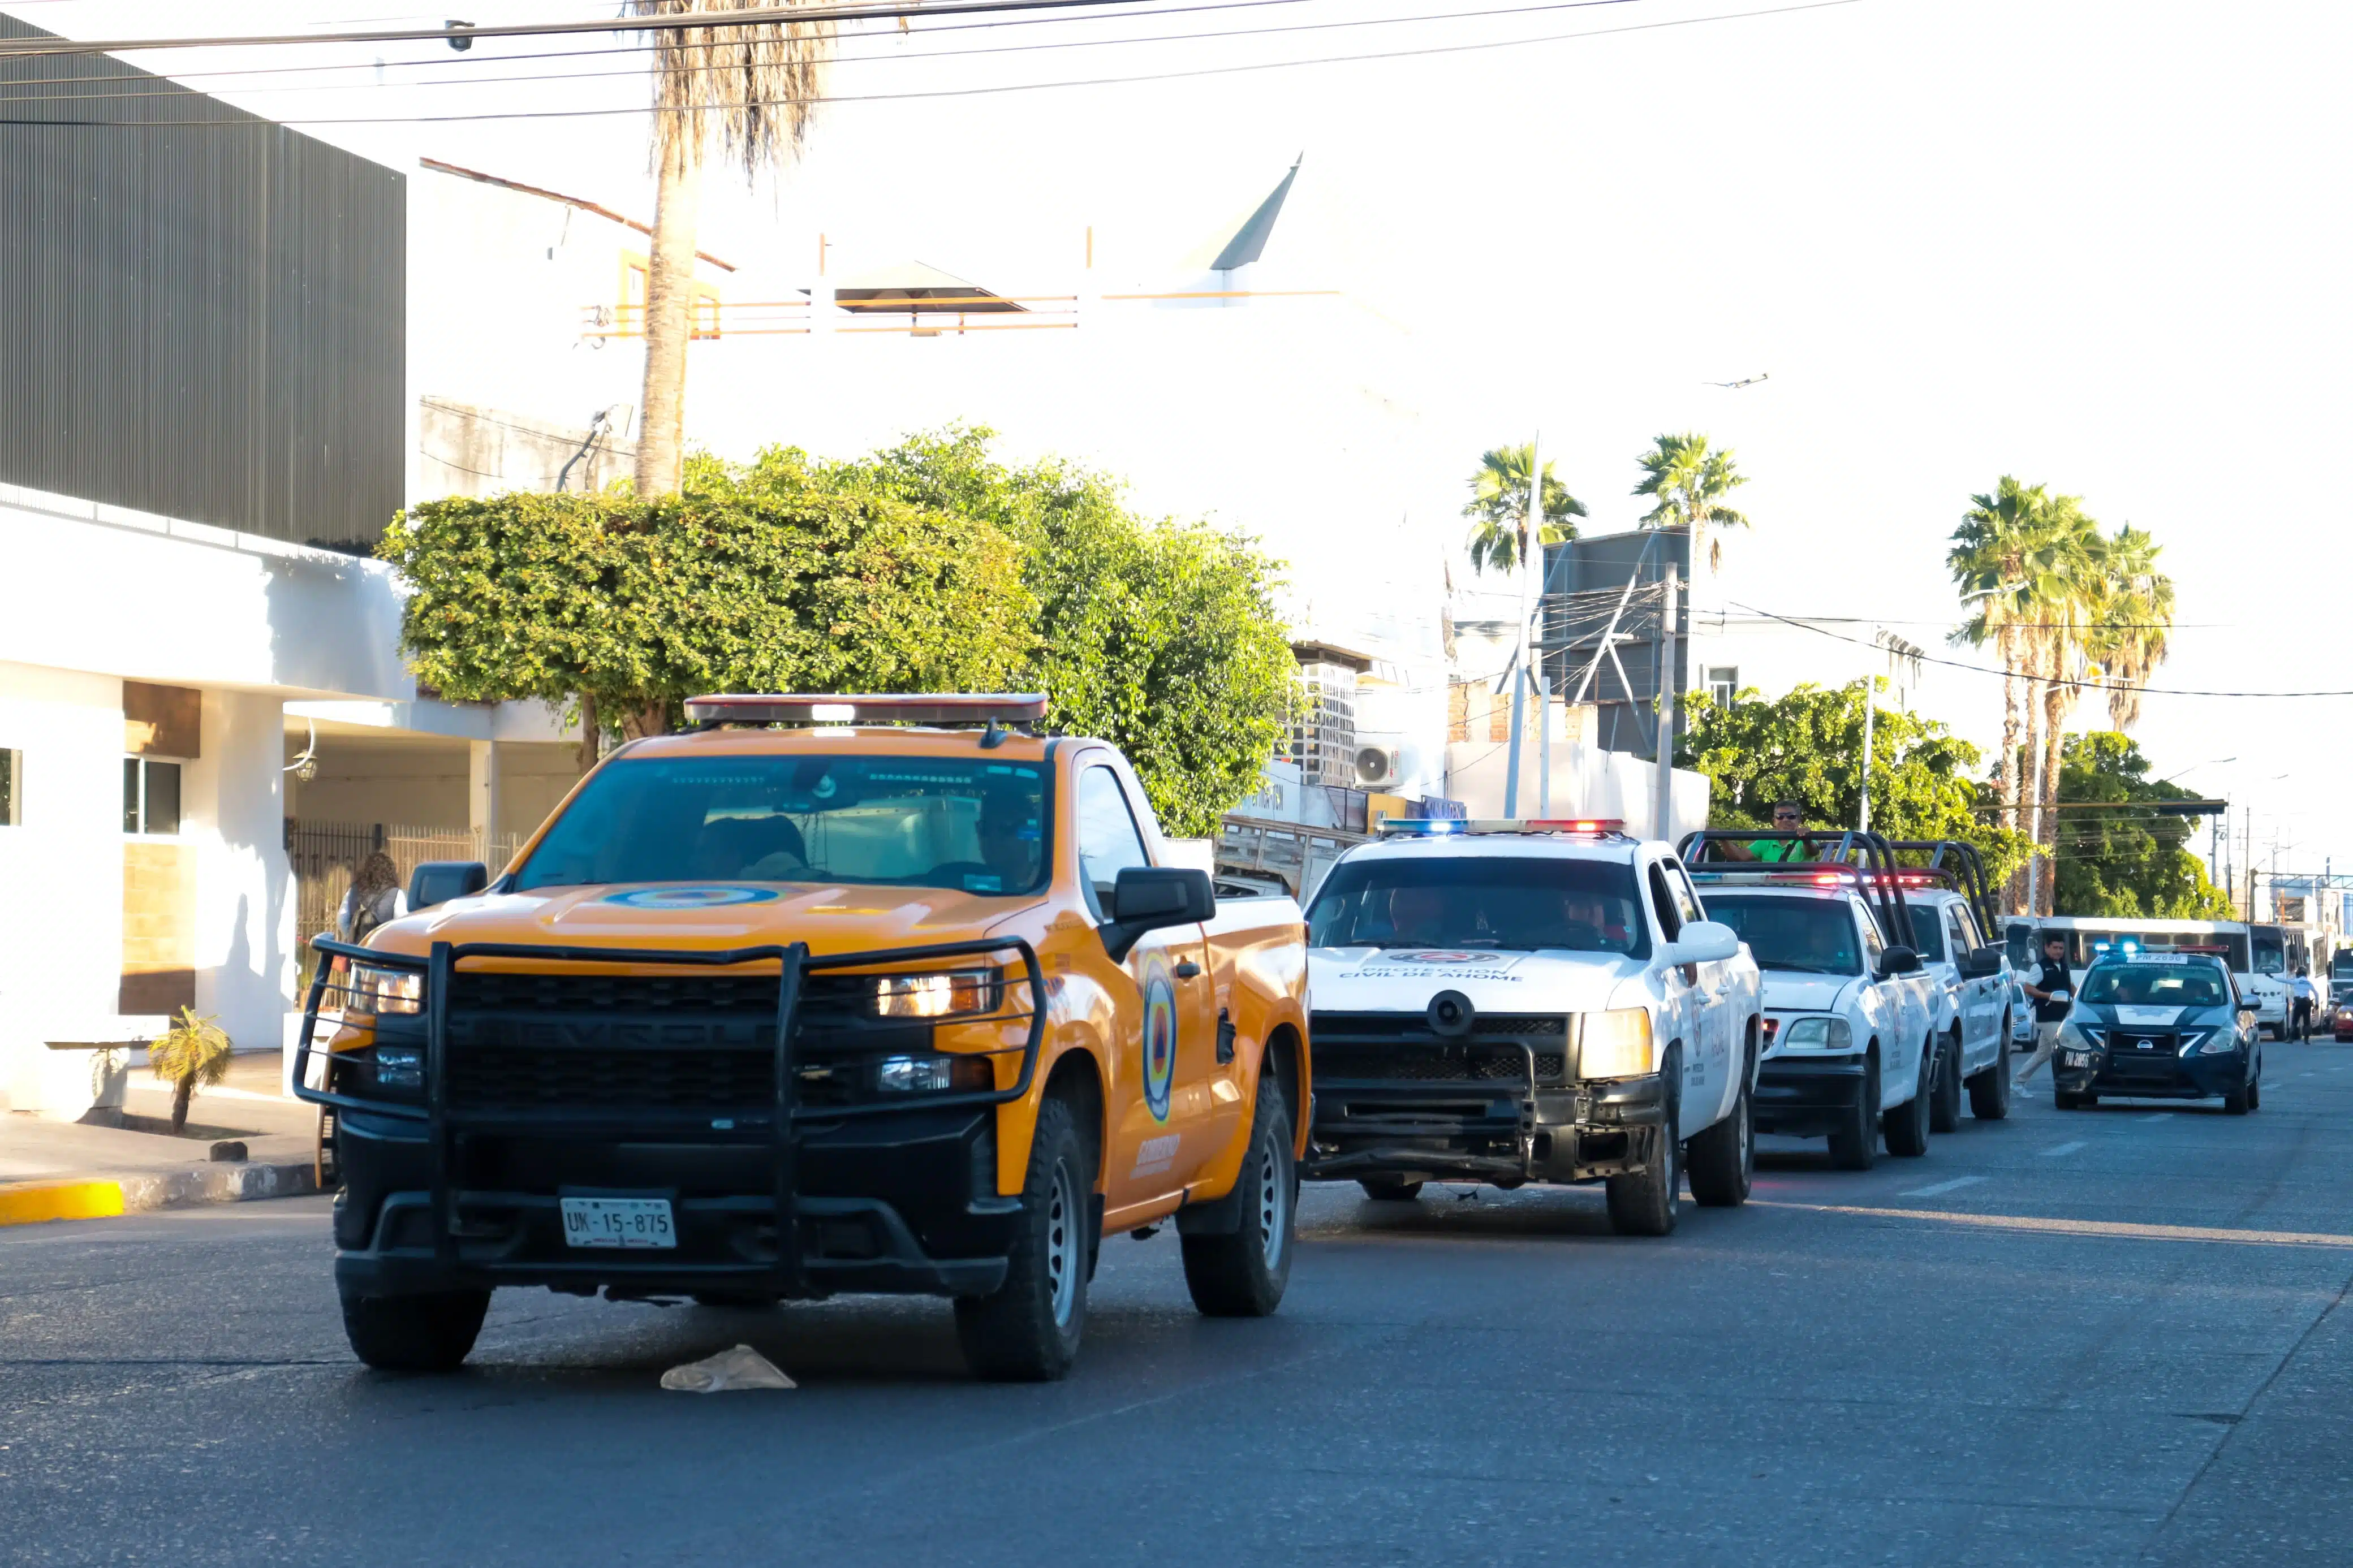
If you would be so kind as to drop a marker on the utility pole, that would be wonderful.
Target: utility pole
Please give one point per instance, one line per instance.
(1532, 547)
(1663, 784)
(1544, 740)
(1868, 680)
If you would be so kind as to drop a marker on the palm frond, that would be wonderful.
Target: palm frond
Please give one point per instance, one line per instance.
(749, 89)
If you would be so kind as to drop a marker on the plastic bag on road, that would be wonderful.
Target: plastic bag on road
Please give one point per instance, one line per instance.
(742, 1367)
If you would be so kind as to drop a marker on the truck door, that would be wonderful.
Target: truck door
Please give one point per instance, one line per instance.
(1980, 1007)
(1162, 1037)
(1680, 1010)
(1893, 1016)
(1717, 1027)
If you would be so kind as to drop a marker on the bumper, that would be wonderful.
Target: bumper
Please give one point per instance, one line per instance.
(2167, 1078)
(1502, 1133)
(905, 1205)
(1808, 1097)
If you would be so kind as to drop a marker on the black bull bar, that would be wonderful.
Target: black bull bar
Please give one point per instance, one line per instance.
(795, 964)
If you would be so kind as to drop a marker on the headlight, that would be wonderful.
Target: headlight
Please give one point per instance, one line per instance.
(1819, 1034)
(932, 1074)
(2210, 1042)
(2085, 1037)
(382, 991)
(1616, 1044)
(941, 996)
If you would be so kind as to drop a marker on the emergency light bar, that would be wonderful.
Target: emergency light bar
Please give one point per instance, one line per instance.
(1454, 827)
(875, 708)
(1786, 878)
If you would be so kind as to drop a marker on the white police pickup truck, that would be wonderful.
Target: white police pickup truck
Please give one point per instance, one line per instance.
(1529, 1001)
(1951, 908)
(1850, 1013)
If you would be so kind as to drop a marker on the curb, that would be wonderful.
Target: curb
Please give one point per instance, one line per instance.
(33, 1203)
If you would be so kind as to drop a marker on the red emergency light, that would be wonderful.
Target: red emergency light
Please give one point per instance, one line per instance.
(868, 707)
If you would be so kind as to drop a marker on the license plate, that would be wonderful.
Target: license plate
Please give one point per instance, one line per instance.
(618, 1222)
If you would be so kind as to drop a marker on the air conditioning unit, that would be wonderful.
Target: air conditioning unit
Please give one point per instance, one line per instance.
(1385, 764)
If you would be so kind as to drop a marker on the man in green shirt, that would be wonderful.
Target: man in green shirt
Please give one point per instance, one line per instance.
(1788, 816)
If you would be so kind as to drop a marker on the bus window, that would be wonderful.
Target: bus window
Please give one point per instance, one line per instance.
(2270, 951)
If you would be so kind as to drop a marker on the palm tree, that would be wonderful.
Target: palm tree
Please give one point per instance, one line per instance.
(1498, 509)
(2132, 621)
(750, 89)
(1689, 481)
(1988, 562)
(2071, 587)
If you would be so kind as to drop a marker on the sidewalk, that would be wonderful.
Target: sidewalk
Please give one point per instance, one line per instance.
(58, 1170)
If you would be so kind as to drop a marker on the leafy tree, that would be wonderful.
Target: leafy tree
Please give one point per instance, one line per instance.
(2126, 860)
(1808, 746)
(770, 579)
(1160, 636)
(1689, 480)
(1498, 509)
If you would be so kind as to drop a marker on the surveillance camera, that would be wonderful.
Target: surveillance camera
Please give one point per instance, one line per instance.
(459, 41)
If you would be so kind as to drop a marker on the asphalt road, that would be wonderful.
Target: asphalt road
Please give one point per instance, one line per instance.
(2114, 1336)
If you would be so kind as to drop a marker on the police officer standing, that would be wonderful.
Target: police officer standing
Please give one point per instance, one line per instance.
(2051, 989)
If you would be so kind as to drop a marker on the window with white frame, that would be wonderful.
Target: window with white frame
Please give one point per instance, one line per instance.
(1723, 683)
(151, 795)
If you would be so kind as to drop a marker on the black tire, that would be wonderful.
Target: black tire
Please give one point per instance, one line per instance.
(1645, 1204)
(1990, 1091)
(1855, 1146)
(1383, 1191)
(2254, 1095)
(1029, 1329)
(1722, 1158)
(1945, 1104)
(2061, 1100)
(1242, 1274)
(2236, 1103)
(1906, 1126)
(414, 1333)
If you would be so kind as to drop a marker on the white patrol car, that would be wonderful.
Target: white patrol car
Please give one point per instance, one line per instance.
(1529, 1001)
(1950, 914)
(1850, 1015)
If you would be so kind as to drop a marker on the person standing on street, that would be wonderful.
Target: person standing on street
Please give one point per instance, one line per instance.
(2051, 989)
(2303, 997)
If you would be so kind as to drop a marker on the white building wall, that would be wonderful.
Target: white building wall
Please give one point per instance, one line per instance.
(1586, 782)
(245, 901)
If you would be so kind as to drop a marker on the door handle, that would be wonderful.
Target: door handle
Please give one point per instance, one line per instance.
(1187, 970)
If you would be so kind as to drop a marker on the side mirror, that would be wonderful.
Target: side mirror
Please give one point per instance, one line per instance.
(438, 882)
(1984, 961)
(1702, 941)
(1899, 961)
(1153, 898)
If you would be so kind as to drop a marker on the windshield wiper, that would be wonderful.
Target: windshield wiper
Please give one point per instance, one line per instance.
(1804, 968)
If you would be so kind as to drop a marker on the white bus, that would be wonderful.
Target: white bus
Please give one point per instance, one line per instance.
(2261, 957)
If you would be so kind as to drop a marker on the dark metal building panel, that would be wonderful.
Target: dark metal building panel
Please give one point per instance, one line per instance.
(1602, 641)
(202, 314)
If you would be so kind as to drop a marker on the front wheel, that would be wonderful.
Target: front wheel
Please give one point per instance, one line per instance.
(1028, 1329)
(1723, 1157)
(1644, 1203)
(432, 1332)
(1906, 1126)
(1990, 1091)
(1945, 1105)
(1242, 1274)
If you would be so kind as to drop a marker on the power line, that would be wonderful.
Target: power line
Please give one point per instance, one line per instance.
(165, 86)
(2088, 682)
(1425, 52)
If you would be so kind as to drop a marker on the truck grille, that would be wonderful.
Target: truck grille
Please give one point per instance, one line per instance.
(1402, 1047)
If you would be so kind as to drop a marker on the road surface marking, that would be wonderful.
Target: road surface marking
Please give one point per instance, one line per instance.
(1954, 1185)
(2268, 1083)
(2159, 1116)
(2064, 1149)
(2083, 1226)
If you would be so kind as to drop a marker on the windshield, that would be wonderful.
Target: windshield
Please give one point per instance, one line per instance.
(1523, 904)
(2150, 986)
(1927, 933)
(2271, 953)
(1815, 935)
(925, 822)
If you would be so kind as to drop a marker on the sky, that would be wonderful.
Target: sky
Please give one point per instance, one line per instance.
(2096, 244)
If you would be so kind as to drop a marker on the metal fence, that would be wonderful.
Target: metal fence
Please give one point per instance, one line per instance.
(326, 855)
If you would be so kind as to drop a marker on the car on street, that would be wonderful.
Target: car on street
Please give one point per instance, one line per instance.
(831, 995)
(1850, 1013)
(1520, 1001)
(2166, 1025)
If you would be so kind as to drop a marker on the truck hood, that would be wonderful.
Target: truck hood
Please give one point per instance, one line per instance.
(1794, 991)
(704, 916)
(1403, 980)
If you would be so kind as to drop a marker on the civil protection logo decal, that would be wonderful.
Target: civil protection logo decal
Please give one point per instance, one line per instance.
(690, 898)
(1159, 1036)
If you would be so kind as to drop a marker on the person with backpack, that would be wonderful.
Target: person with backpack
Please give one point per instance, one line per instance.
(376, 899)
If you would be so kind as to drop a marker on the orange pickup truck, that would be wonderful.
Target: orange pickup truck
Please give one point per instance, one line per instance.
(830, 994)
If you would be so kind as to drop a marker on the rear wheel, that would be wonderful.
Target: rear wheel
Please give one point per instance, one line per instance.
(1990, 1091)
(1028, 1331)
(1945, 1105)
(1854, 1145)
(1388, 1192)
(1242, 1274)
(1644, 1203)
(1906, 1126)
(1723, 1157)
(431, 1332)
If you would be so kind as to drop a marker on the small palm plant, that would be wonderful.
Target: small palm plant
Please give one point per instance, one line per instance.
(193, 1053)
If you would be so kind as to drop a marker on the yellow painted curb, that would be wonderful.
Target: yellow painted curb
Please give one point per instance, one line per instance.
(34, 1201)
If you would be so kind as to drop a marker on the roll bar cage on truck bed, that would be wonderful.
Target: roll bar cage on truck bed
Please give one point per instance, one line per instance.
(1862, 861)
(1960, 867)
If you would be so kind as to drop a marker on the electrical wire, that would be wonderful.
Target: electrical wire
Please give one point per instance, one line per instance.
(165, 86)
(1425, 52)
(2087, 682)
